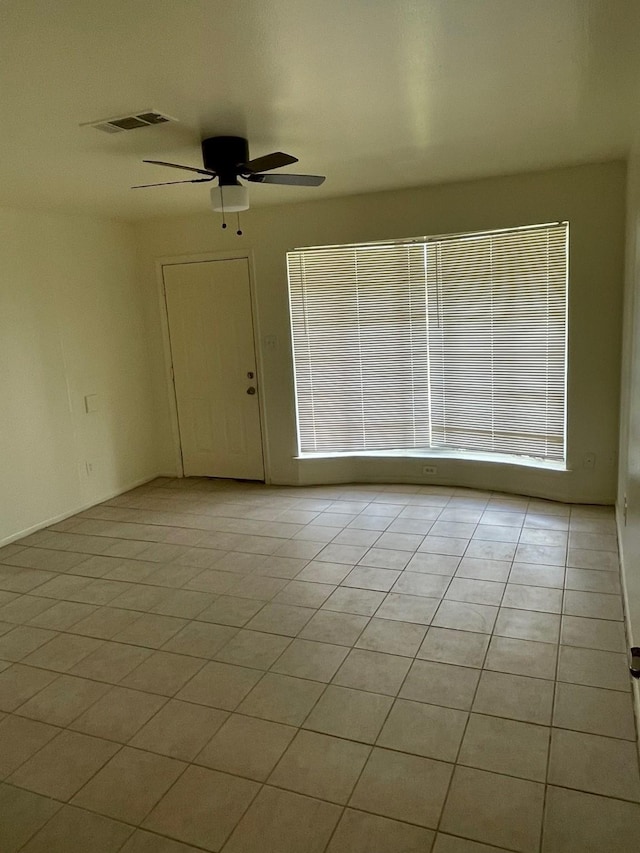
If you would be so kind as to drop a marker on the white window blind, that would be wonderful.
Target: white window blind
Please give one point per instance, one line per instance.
(456, 342)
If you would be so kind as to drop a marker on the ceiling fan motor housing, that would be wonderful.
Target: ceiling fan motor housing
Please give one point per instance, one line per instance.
(223, 154)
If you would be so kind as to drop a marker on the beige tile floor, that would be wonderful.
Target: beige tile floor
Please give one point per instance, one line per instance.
(208, 665)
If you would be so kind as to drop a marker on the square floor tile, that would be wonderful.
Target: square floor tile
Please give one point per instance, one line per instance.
(321, 766)
(365, 577)
(253, 648)
(184, 603)
(433, 564)
(163, 673)
(140, 598)
(328, 626)
(466, 616)
(359, 832)
(494, 809)
(404, 787)
(63, 700)
(408, 608)
(347, 713)
(285, 619)
(522, 657)
(61, 616)
(593, 667)
(310, 659)
(417, 583)
(74, 830)
(63, 652)
(283, 822)
(200, 639)
(392, 636)
(399, 541)
(428, 730)
(105, 622)
(593, 763)
(506, 746)
(282, 699)
(362, 602)
(247, 746)
(150, 630)
(130, 785)
(19, 683)
(281, 567)
(257, 587)
(527, 625)
(531, 574)
(441, 684)
(590, 580)
(446, 545)
(29, 812)
(479, 549)
(576, 822)
(220, 685)
(514, 696)
(19, 642)
(324, 573)
(548, 555)
(21, 738)
(64, 765)
(304, 593)
(475, 591)
(179, 729)
(594, 605)
(118, 714)
(384, 558)
(203, 807)
(457, 647)
(593, 634)
(111, 662)
(532, 598)
(373, 671)
(593, 710)
(228, 610)
(482, 569)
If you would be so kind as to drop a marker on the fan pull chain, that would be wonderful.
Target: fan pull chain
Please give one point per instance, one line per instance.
(239, 231)
(224, 224)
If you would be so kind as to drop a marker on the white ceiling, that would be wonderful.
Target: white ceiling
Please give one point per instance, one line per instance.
(373, 93)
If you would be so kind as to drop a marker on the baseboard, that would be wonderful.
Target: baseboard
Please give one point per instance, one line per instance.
(631, 639)
(67, 514)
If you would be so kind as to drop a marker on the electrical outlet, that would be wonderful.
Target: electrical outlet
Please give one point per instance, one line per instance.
(429, 469)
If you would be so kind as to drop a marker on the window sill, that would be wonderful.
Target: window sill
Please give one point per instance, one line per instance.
(435, 455)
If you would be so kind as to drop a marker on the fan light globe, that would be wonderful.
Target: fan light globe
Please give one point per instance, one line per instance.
(230, 198)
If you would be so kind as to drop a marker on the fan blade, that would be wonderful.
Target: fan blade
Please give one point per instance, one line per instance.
(177, 166)
(284, 178)
(166, 183)
(270, 161)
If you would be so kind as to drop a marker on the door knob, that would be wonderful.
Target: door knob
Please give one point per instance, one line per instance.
(251, 390)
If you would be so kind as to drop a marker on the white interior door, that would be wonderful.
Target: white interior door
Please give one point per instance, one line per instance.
(214, 366)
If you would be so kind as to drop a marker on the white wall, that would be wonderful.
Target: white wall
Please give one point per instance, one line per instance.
(71, 324)
(591, 197)
(629, 479)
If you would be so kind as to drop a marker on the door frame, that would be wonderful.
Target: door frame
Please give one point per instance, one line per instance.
(173, 260)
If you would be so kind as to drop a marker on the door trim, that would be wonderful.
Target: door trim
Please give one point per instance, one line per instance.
(173, 260)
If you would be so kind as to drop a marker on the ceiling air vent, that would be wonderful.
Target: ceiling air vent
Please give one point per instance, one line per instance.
(144, 118)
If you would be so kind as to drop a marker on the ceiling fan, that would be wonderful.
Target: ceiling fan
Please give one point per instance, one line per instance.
(227, 159)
